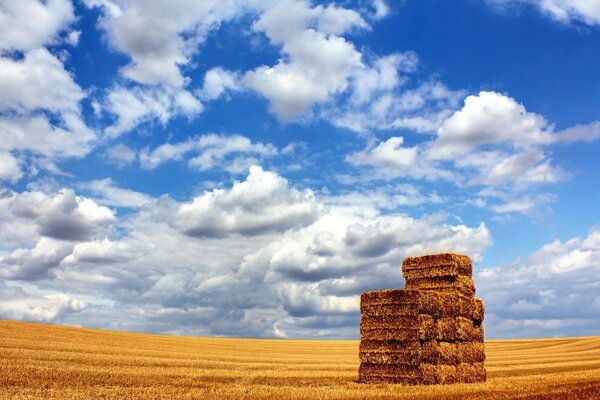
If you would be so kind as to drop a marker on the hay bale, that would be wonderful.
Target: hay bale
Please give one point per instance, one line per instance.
(389, 373)
(390, 345)
(436, 352)
(423, 328)
(402, 302)
(459, 328)
(471, 372)
(452, 264)
(458, 284)
(471, 352)
(401, 357)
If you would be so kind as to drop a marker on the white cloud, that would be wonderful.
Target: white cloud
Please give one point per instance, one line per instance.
(106, 192)
(489, 118)
(29, 24)
(121, 155)
(10, 170)
(62, 215)
(262, 203)
(566, 11)
(17, 304)
(208, 152)
(315, 64)
(259, 258)
(381, 9)
(178, 27)
(133, 106)
(218, 81)
(38, 81)
(491, 142)
(549, 293)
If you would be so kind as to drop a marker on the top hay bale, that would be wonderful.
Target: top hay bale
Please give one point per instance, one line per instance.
(437, 266)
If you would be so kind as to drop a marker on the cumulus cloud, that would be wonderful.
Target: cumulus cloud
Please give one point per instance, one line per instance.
(30, 24)
(62, 215)
(491, 142)
(551, 292)
(10, 170)
(178, 28)
(316, 63)
(218, 81)
(210, 151)
(262, 203)
(16, 303)
(260, 258)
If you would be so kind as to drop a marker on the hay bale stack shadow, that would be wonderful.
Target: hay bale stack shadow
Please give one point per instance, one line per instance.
(430, 332)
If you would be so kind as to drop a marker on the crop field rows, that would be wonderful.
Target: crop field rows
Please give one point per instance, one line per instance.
(40, 361)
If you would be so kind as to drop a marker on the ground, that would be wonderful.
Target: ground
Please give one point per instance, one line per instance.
(39, 361)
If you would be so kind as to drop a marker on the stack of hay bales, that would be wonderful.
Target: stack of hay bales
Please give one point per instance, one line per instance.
(430, 332)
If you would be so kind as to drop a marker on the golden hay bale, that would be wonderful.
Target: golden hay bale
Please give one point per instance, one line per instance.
(459, 284)
(390, 319)
(391, 357)
(434, 352)
(471, 352)
(439, 374)
(390, 371)
(471, 372)
(424, 327)
(457, 262)
(459, 328)
(390, 345)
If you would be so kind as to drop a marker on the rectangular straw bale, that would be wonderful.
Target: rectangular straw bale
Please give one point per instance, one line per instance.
(435, 352)
(459, 284)
(413, 358)
(390, 345)
(424, 328)
(367, 370)
(413, 302)
(471, 307)
(458, 328)
(384, 320)
(452, 262)
(471, 352)
(439, 374)
(471, 372)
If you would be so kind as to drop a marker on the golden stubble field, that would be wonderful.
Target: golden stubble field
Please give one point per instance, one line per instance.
(40, 361)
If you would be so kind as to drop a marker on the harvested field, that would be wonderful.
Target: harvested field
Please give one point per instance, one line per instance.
(52, 362)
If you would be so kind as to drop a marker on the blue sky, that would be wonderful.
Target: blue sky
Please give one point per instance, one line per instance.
(248, 168)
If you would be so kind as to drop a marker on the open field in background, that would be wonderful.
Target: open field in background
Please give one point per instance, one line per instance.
(43, 361)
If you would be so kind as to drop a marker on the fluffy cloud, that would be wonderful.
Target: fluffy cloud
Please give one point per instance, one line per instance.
(260, 258)
(29, 24)
(218, 81)
(133, 106)
(210, 151)
(262, 203)
(491, 142)
(62, 215)
(16, 303)
(316, 62)
(552, 291)
(40, 107)
(121, 155)
(10, 170)
(178, 27)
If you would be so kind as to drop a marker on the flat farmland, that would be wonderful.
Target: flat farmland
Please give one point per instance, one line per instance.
(40, 361)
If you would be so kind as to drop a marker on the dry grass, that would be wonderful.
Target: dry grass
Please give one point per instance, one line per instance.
(52, 362)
